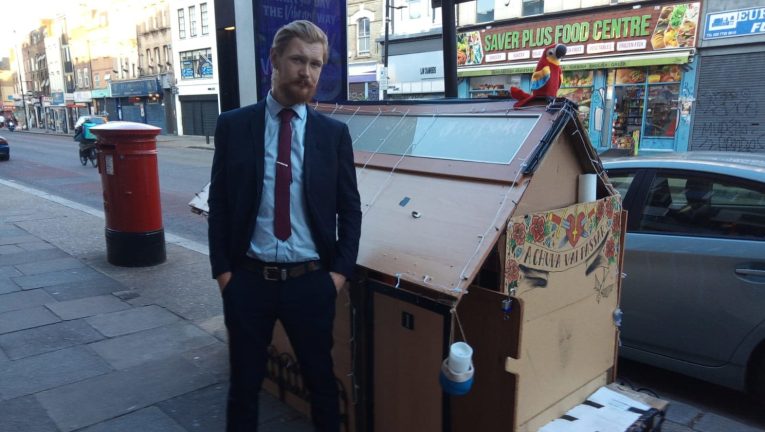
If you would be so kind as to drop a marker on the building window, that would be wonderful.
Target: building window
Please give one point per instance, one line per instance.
(484, 11)
(157, 58)
(149, 61)
(415, 9)
(192, 21)
(181, 24)
(86, 77)
(362, 36)
(196, 64)
(168, 57)
(205, 21)
(533, 7)
(96, 80)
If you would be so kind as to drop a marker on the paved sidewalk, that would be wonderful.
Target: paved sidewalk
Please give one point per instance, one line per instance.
(87, 346)
(192, 141)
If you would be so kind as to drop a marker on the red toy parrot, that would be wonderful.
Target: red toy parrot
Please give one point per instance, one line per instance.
(546, 79)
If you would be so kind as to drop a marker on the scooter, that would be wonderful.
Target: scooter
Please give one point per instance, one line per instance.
(88, 152)
(11, 126)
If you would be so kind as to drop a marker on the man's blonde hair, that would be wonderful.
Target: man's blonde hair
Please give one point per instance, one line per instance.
(304, 30)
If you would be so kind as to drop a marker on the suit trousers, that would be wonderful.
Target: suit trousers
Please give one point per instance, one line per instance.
(305, 305)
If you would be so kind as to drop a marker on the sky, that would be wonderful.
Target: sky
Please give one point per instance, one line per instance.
(25, 18)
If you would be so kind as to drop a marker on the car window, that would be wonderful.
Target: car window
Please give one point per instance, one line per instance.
(701, 205)
(621, 181)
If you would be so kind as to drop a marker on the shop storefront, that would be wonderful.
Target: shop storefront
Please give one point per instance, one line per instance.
(139, 101)
(362, 81)
(57, 112)
(631, 70)
(729, 107)
(99, 100)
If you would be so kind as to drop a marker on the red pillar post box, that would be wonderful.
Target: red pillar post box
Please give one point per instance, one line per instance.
(127, 161)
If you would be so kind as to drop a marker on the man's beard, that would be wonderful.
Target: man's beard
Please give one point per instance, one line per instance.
(297, 91)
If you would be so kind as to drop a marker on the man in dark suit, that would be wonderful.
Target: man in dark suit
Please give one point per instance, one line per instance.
(284, 227)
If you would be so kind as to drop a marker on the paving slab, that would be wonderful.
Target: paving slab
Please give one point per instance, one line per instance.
(108, 396)
(50, 265)
(31, 256)
(19, 238)
(132, 320)
(47, 338)
(293, 422)
(10, 249)
(56, 277)
(711, 422)
(8, 271)
(24, 299)
(150, 419)
(8, 286)
(216, 326)
(211, 358)
(25, 414)
(670, 426)
(202, 410)
(87, 306)
(26, 318)
(87, 288)
(681, 413)
(35, 245)
(33, 374)
(149, 345)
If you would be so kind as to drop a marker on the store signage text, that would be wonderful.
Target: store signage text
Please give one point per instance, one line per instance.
(740, 22)
(648, 28)
(606, 29)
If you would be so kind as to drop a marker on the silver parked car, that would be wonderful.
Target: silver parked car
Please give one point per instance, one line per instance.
(694, 293)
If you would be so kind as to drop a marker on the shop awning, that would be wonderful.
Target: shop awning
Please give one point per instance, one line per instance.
(366, 77)
(666, 58)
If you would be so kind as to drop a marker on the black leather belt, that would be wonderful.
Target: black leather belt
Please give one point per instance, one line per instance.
(280, 271)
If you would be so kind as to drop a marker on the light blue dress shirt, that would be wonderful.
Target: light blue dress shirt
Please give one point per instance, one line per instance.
(299, 246)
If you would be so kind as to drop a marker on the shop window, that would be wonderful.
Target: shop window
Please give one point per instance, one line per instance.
(356, 91)
(661, 115)
(483, 87)
(577, 86)
(645, 104)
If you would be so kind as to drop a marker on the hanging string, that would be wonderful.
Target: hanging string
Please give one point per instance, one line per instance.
(398, 162)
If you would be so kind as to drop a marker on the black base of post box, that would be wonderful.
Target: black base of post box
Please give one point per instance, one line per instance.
(127, 249)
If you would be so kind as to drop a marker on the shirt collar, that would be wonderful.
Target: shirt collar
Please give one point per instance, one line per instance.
(275, 107)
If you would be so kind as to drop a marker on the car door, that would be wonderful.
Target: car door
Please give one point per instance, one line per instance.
(694, 264)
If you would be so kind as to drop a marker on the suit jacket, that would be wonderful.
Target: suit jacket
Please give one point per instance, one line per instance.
(333, 203)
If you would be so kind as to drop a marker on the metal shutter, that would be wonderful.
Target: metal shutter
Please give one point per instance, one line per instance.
(132, 113)
(200, 113)
(730, 112)
(155, 116)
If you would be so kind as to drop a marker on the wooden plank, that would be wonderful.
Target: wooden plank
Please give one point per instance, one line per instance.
(431, 250)
(491, 403)
(563, 405)
(407, 394)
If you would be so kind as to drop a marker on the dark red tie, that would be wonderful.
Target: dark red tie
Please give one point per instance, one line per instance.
(282, 226)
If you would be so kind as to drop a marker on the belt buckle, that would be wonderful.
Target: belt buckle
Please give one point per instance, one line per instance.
(273, 273)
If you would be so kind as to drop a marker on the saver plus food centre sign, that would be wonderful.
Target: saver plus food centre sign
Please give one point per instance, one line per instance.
(625, 31)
